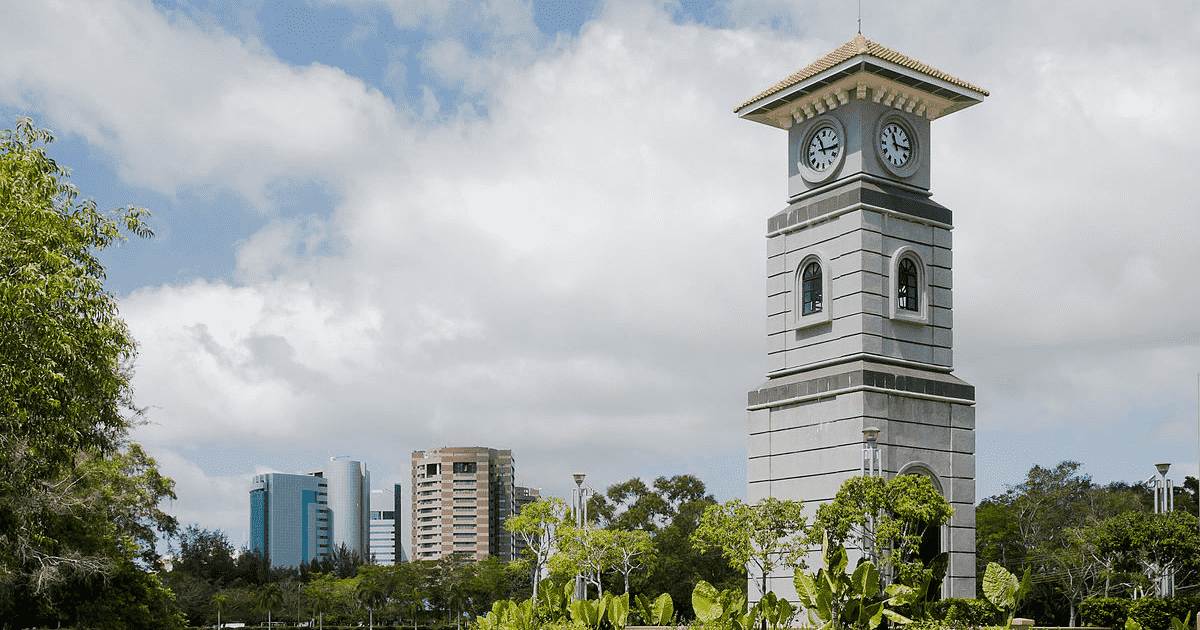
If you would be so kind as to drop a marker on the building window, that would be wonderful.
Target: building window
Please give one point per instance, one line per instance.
(912, 300)
(908, 288)
(811, 289)
(464, 467)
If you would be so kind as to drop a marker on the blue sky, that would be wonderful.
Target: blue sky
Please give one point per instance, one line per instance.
(384, 226)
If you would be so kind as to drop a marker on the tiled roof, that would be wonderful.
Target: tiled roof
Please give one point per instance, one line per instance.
(853, 48)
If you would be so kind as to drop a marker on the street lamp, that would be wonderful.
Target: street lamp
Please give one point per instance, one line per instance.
(870, 458)
(579, 497)
(1164, 501)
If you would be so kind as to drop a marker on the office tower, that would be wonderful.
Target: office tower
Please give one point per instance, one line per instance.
(289, 522)
(349, 502)
(524, 496)
(461, 498)
(385, 526)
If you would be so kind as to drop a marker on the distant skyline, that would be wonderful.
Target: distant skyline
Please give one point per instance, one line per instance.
(387, 226)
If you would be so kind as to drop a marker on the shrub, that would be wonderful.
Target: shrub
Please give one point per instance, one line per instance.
(1109, 612)
(973, 613)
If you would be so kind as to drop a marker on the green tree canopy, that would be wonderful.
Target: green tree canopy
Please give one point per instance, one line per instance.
(763, 535)
(78, 503)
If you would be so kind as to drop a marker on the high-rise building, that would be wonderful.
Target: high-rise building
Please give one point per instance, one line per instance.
(385, 527)
(289, 521)
(524, 496)
(461, 498)
(295, 518)
(349, 504)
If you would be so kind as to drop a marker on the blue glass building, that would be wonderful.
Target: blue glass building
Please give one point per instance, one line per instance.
(289, 518)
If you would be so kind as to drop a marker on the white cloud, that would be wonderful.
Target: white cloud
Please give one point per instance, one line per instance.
(576, 272)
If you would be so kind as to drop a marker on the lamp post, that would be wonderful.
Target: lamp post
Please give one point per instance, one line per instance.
(1164, 501)
(870, 468)
(579, 497)
(870, 458)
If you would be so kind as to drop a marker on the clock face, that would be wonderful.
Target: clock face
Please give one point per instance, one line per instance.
(895, 145)
(823, 149)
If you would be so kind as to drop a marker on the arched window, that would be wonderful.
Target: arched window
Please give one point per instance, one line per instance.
(811, 289)
(908, 287)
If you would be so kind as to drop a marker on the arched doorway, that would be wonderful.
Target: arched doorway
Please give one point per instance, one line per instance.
(931, 548)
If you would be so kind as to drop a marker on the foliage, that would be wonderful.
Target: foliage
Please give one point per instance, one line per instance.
(887, 518)
(79, 510)
(1004, 591)
(669, 509)
(972, 613)
(1149, 612)
(1146, 548)
(833, 598)
(537, 524)
(657, 612)
(1037, 524)
(586, 552)
(762, 534)
(722, 609)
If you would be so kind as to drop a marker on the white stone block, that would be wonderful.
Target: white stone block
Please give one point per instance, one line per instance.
(758, 444)
(907, 351)
(778, 342)
(779, 284)
(962, 416)
(775, 245)
(902, 460)
(917, 233)
(758, 469)
(961, 564)
(873, 242)
(758, 421)
(943, 337)
(943, 317)
(872, 219)
(891, 244)
(962, 539)
(961, 587)
(943, 356)
(964, 441)
(875, 404)
(776, 265)
(909, 332)
(919, 435)
(776, 323)
(776, 361)
(756, 490)
(964, 515)
(942, 277)
(962, 465)
(962, 491)
(941, 238)
(943, 257)
(942, 297)
(778, 303)
(811, 463)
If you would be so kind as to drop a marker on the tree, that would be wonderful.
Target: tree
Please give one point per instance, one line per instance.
(1036, 524)
(219, 601)
(206, 554)
(669, 509)
(583, 551)
(78, 503)
(763, 534)
(888, 518)
(267, 599)
(631, 551)
(537, 524)
(1151, 547)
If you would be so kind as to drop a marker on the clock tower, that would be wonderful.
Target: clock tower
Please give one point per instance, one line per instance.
(859, 297)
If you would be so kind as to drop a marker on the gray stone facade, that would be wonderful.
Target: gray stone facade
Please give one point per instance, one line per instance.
(863, 357)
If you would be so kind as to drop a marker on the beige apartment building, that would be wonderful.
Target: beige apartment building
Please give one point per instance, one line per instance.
(461, 498)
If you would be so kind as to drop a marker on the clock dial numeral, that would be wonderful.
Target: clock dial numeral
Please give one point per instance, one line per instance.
(823, 149)
(894, 144)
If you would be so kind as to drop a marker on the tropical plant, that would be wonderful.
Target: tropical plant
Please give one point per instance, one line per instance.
(722, 609)
(537, 525)
(657, 612)
(833, 598)
(267, 599)
(1004, 591)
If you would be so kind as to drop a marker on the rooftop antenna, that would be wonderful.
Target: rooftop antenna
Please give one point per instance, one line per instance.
(860, 17)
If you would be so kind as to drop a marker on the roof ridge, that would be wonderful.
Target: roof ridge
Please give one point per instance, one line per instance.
(857, 46)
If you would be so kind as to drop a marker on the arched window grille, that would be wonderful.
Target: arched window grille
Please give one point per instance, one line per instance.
(908, 286)
(811, 289)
